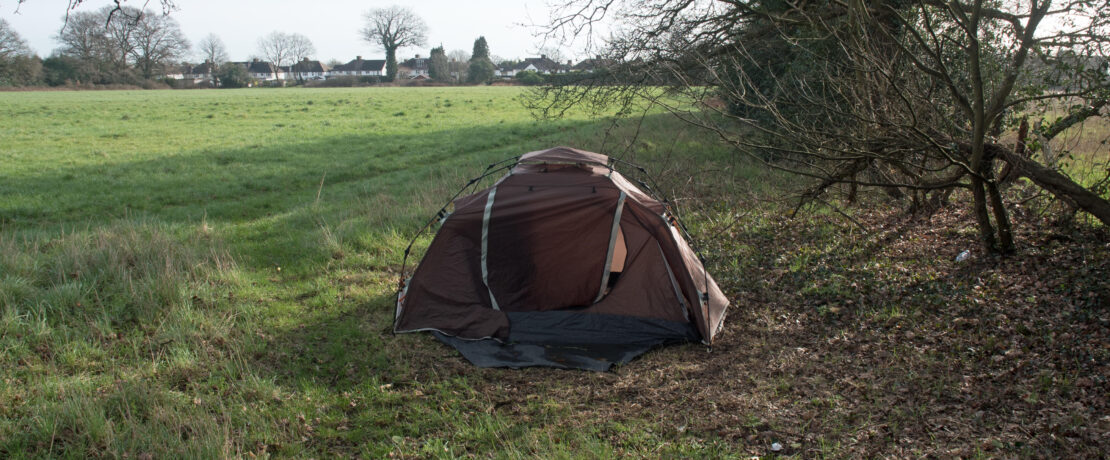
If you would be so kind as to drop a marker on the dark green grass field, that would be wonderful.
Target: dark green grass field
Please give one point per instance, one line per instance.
(176, 282)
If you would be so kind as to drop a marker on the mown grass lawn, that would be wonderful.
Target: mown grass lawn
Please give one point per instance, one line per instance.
(176, 282)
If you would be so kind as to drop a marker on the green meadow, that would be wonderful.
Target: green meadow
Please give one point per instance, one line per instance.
(211, 273)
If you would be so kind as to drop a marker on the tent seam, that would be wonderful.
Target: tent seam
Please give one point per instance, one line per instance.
(674, 282)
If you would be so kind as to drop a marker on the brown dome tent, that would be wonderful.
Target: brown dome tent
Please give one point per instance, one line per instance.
(563, 262)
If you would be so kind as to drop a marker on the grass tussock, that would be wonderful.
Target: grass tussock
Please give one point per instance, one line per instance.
(100, 328)
(126, 272)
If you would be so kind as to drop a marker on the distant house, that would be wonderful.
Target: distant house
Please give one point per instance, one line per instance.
(264, 71)
(592, 64)
(541, 64)
(359, 68)
(201, 72)
(176, 71)
(415, 67)
(308, 70)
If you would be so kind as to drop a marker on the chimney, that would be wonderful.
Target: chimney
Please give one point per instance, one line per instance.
(568, 63)
(254, 60)
(358, 58)
(417, 56)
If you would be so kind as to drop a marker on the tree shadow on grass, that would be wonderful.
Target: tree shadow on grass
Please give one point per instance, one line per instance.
(266, 196)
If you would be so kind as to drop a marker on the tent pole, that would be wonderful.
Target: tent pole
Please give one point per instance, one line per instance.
(443, 210)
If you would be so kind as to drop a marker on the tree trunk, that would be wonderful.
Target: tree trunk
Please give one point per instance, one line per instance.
(391, 63)
(982, 216)
(1007, 175)
(1058, 184)
(1001, 219)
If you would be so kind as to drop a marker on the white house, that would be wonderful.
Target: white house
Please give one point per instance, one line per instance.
(416, 67)
(176, 72)
(308, 70)
(265, 71)
(539, 65)
(200, 72)
(359, 68)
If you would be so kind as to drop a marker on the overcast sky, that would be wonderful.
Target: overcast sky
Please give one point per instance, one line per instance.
(332, 25)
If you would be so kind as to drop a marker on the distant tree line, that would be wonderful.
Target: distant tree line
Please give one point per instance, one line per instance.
(18, 65)
(133, 47)
(123, 45)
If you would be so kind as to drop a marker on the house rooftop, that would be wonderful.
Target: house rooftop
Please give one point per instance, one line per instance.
(257, 66)
(361, 64)
(309, 66)
(542, 63)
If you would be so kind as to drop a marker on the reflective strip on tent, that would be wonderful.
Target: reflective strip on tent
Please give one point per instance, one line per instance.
(485, 246)
(612, 245)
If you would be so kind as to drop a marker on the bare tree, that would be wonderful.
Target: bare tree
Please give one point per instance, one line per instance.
(908, 97)
(212, 49)
(119, 32)
(83, 37)
(100, 48)
(18, 64)
(457, 64)
(158, 40)
(11, 44)
(277, 47)
(552, 52)
(393, 28)
(300, 47)
(110, 50)
(458, 55)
